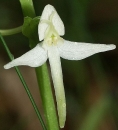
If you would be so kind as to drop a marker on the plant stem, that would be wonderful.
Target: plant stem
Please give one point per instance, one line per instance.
(47, 97)
(25, 85)
(5, 32)
(43, 78)
(28, 8)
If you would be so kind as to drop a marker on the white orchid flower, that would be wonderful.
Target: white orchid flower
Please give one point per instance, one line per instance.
(50, 29)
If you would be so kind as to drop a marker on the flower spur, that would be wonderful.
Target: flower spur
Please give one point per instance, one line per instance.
(50, 29)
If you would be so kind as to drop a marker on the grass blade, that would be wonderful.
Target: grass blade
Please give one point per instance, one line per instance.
(25, 86)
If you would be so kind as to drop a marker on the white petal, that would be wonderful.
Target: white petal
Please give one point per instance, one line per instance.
(56, 20)
(41, 30)
(77, 51)
(58, 24)
(56, 71)
(34, 58)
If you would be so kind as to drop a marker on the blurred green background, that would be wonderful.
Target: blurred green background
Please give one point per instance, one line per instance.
(91, 85)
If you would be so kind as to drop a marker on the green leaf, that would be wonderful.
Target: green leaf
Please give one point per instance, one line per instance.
(30, 30)
(26, 26)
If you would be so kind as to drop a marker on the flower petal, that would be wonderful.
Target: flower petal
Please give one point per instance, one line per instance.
(58, 24)
(56, 71)
(34, 58)
(77, 51)
(41, 30)
(56, 20)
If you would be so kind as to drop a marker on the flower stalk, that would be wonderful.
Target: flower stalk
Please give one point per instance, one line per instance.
(5, 32)
(47, 97)
(27, 8)
(43, 78)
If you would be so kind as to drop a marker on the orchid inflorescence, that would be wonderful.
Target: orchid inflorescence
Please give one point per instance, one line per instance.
(50, 29)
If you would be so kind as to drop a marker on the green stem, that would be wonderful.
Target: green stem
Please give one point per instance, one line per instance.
(47, 97)
(25, 85)
(43, 78)
(28, 8)
(5, 32)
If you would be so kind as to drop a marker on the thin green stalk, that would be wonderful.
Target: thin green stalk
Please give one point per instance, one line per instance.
(5, 32)
(25, 85)
(28, 8)
(47, 97)
(43, 78)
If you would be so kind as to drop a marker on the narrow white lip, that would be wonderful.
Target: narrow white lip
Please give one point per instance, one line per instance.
(57, 76)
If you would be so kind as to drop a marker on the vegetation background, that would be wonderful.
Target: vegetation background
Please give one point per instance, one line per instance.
(91, 85)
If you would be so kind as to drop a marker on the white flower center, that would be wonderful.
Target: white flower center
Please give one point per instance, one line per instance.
(51, 35)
